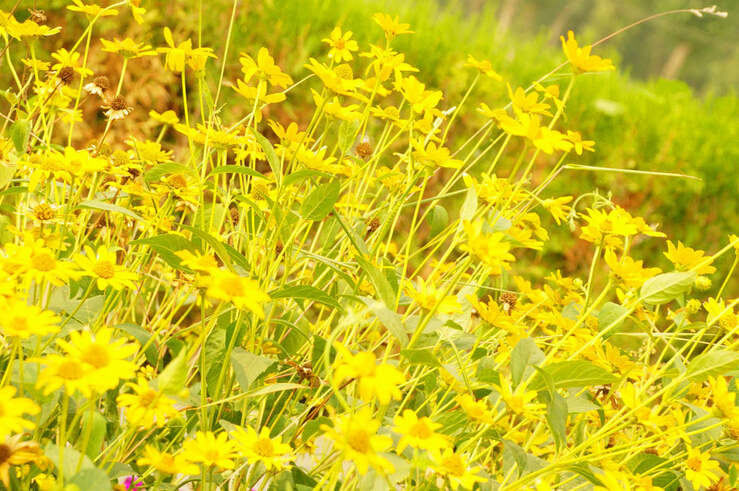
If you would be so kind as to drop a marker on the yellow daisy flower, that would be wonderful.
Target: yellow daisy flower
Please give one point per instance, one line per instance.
(456, 470)
(341, 45)
(418, 432)
(167, 463)
(211, 450)
(243, 293)
(12, 410)
(146, 406)
(581, 59)
(102, 266)
(261, 448)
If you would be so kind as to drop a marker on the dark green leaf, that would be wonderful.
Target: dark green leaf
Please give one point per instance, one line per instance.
(438, 220)
(321, 201)
(301, 175)
(390, 319)
(20, 133)
(347, 134)
(99, 205)
(712, 364)
(307, 292)
(611, 316)
(420, 357)
(382, 286)
(248, 366)
(92, 478)
(574, 374)
(525, 354)
(172, 379)
(666, 287)
(142, 336)
(166, 245)
(217, 246)
(269, 151)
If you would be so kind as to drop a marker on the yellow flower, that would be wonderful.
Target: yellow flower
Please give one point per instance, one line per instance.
(613, 481)
(392, 27)
(67, 371)
(432, 156)
(197, 262)
(243, 293)
(136, 10)
(576, 139)
(418, 432)
(334, 82)
(257, 97)
(23, 321)
(127, 48)
(628, 272)
(581, 59)
(356, 437)
(475, 410)
(12, 410)
(372, 379)
(146, 406)
(606, 228)
(261, 448)
(491, 249)
(65, 58)
(91, 10)
(38, 263)
(558, 208)
(519, 401)
(167, 463)
(211, 450)
(528, 104)
(483, 66)
(168, 117)
(716, 309)
(699, 468)
(416, 94)
(341, 45)
(455, 468)
(264, 68)
(103, 267)
(687, 259)
(492, 314)
(15, 452)
(176, 56)
(427, 297)
(724, 401)
(30, 30)
(105, 357)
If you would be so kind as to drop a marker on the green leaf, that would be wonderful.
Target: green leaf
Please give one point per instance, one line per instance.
(236, 169)
(217, 246)
(6, 173)
(20, 133)
(142, 336)
(574, 374)
(712, 364)
(650, 464)
(301, 175)
(269, 151)
(514, 454)
(70, 459)
(556, 417)
(237, 257)
(99, 205)
(161, 170)
(382, 286)
(97, 433)
(524, 355)
(307, 292)
(438, 220)
(390, 319)
(248, 366)
(666, 287)
(321, 201)
(166, 245)
(5, 234)
(93, 478)
(14, 190)
(611, 317)
(577, 405)
(172, 379)
(420, 357)
(469, 207)
(347, 135)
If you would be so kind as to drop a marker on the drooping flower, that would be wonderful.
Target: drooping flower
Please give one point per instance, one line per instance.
(581, 59)
(12, 410)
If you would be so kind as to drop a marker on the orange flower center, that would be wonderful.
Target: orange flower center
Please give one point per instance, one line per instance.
(421, 430)
(104, 269)
(96, 355)
(694, 463)
(148, 397)
(177, 181)
(340, 44)
(43, 261)
(454, 465)
(359, 440)
(70, 370)
(43, 212)
(264, 448)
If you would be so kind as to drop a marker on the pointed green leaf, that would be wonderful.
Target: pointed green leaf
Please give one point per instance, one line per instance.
(20, 134)
(321, 201)
(666, 287)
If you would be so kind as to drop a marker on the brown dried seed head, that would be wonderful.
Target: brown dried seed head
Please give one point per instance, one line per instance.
(363, 150)
(509, 301)
(38, 16)
(102, 82)
(373, 225)
(66, 75)
(118, 103)
(234, 214)
(278, 248)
